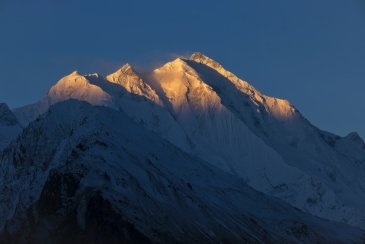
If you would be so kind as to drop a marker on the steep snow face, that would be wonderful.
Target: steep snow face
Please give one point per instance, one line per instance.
(76, 174)
(180, 84)
(218, 136)
(9, 126)
(236, 128)
(279, 108)
(133, 83)
(336, 185)
(210, 113)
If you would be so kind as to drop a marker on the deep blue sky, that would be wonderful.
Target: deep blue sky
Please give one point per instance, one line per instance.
(311, 52)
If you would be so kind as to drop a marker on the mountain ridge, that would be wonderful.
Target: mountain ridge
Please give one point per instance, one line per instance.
(209, 113)
(153, 196)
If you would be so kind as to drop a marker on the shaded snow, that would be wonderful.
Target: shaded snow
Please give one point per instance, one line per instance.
(209, 113)
(165, 192)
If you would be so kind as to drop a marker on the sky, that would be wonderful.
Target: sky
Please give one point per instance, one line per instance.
(310, 52)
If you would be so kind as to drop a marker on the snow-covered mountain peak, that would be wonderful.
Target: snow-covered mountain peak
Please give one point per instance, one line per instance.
(210, 113)
(69, 82)
(177, 65)
(177, 77)
(127, 68)
(125, 71)
(128, 78)
(80, 87)
(182, 90)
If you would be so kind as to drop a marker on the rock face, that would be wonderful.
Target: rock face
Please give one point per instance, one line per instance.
(203, 112)
(90, 174)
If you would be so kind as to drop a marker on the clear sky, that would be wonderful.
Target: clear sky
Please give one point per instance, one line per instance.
(311, 52)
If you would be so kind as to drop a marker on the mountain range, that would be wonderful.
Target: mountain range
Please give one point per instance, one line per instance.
(187, 152)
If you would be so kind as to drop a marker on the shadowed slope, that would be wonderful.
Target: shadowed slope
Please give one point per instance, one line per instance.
(210, 113)
(97, 180)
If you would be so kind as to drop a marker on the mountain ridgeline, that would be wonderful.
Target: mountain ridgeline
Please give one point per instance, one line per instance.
(185, 153)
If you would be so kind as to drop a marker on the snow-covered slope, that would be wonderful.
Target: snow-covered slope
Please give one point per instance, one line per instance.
(9, 126)
(133, 83)
(72, 86)
(80, 87)
(81, 173)
(209, 113)
(123, 90)
(219, 137)
(336, 186)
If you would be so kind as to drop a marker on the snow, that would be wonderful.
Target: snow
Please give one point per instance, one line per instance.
(80, 87)
(133, 83)
(211, 114)
(331, 185)
(279, 108)
(163, 191)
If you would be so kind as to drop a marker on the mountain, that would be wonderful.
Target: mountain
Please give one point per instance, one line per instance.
(73, 85)
(333, 186)
(133, 83)
(9, 125)
(81, 174)
(210, 114)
